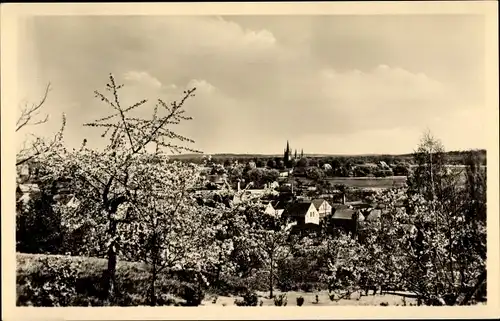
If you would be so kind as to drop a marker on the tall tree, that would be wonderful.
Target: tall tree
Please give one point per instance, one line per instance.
(106, 179)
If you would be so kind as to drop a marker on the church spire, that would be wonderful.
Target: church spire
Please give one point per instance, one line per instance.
(302, 153)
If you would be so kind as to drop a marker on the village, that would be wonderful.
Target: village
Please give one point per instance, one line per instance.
(291, 195)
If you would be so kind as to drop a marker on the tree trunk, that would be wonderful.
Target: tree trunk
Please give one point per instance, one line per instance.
(152, 293)
(271, 280)
(112, 259)
(155, 254)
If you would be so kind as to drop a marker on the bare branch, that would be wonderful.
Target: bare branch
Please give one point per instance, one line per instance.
(28, 113)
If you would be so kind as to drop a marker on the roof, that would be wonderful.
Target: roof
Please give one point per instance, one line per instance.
(29, 188)
(337, 206)
(297, 209)
(374, 214)
(362, 206)
(277, 205)
(317, 202)
(343, 214)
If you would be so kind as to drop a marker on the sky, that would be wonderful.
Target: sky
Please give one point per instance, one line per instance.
(347, 84)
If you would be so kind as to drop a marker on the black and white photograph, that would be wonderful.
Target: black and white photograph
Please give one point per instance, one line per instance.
(229, 160)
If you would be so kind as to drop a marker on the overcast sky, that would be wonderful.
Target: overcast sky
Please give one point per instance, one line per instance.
(329, 84)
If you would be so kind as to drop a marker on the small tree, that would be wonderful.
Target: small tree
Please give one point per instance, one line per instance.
(303, 162)
(273, 241)
(344, 255)
(315, 173)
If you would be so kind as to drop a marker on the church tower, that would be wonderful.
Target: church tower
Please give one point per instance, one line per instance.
(287, 156)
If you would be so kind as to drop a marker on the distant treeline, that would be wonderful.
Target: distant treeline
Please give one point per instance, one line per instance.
(453, 157)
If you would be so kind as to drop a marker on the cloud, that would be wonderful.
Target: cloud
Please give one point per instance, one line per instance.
(261, 83)
(201, 86)
(142, 78)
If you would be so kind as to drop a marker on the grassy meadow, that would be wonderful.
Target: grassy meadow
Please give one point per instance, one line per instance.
(133, 281)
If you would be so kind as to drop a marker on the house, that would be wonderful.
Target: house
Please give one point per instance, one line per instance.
(269, 210)
(346, 219)
(244, 195)
(384, 165)
(284, 173)
(25, 192)
(279, 207)
(274, 208)
(322, 206)
(302, 212)
(374, 215)
(23, 172)
(274, 185)
(338, 206)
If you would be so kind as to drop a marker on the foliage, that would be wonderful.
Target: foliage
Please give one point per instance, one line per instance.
(54, 286)
(315, 173)
(280, 300)
(300, 301)
(303, 162)
(38, 226)
(402, 169)
(250, 299)
(108, 182)
(273, 241)
(432, 236)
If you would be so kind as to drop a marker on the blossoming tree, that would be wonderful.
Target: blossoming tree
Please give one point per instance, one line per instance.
(105, 181)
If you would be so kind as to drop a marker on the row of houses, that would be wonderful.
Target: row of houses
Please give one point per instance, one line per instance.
(313, 211)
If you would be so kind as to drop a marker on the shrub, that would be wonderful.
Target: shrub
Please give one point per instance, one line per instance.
(77, 281)
(300, 301)
(250, 299)
(193, 295)
(280, 300)
(56, 286)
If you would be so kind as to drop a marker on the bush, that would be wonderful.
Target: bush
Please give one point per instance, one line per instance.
(280, 300)
(55, 287)
(300, 301)
(77, 281)
(193, 295)
(250, 299)
(38, 227)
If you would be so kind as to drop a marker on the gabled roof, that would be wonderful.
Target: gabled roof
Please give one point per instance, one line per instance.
(297, 209)
(278, 205)
(29, 188)
(343, 214)
(374, 215)
(318, 202)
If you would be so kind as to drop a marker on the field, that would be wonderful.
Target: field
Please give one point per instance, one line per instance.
(133, 279)
(369, 182)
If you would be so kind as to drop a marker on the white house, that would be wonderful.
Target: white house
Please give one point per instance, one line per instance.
(322, 206)
(303, 212)
(269, 209)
